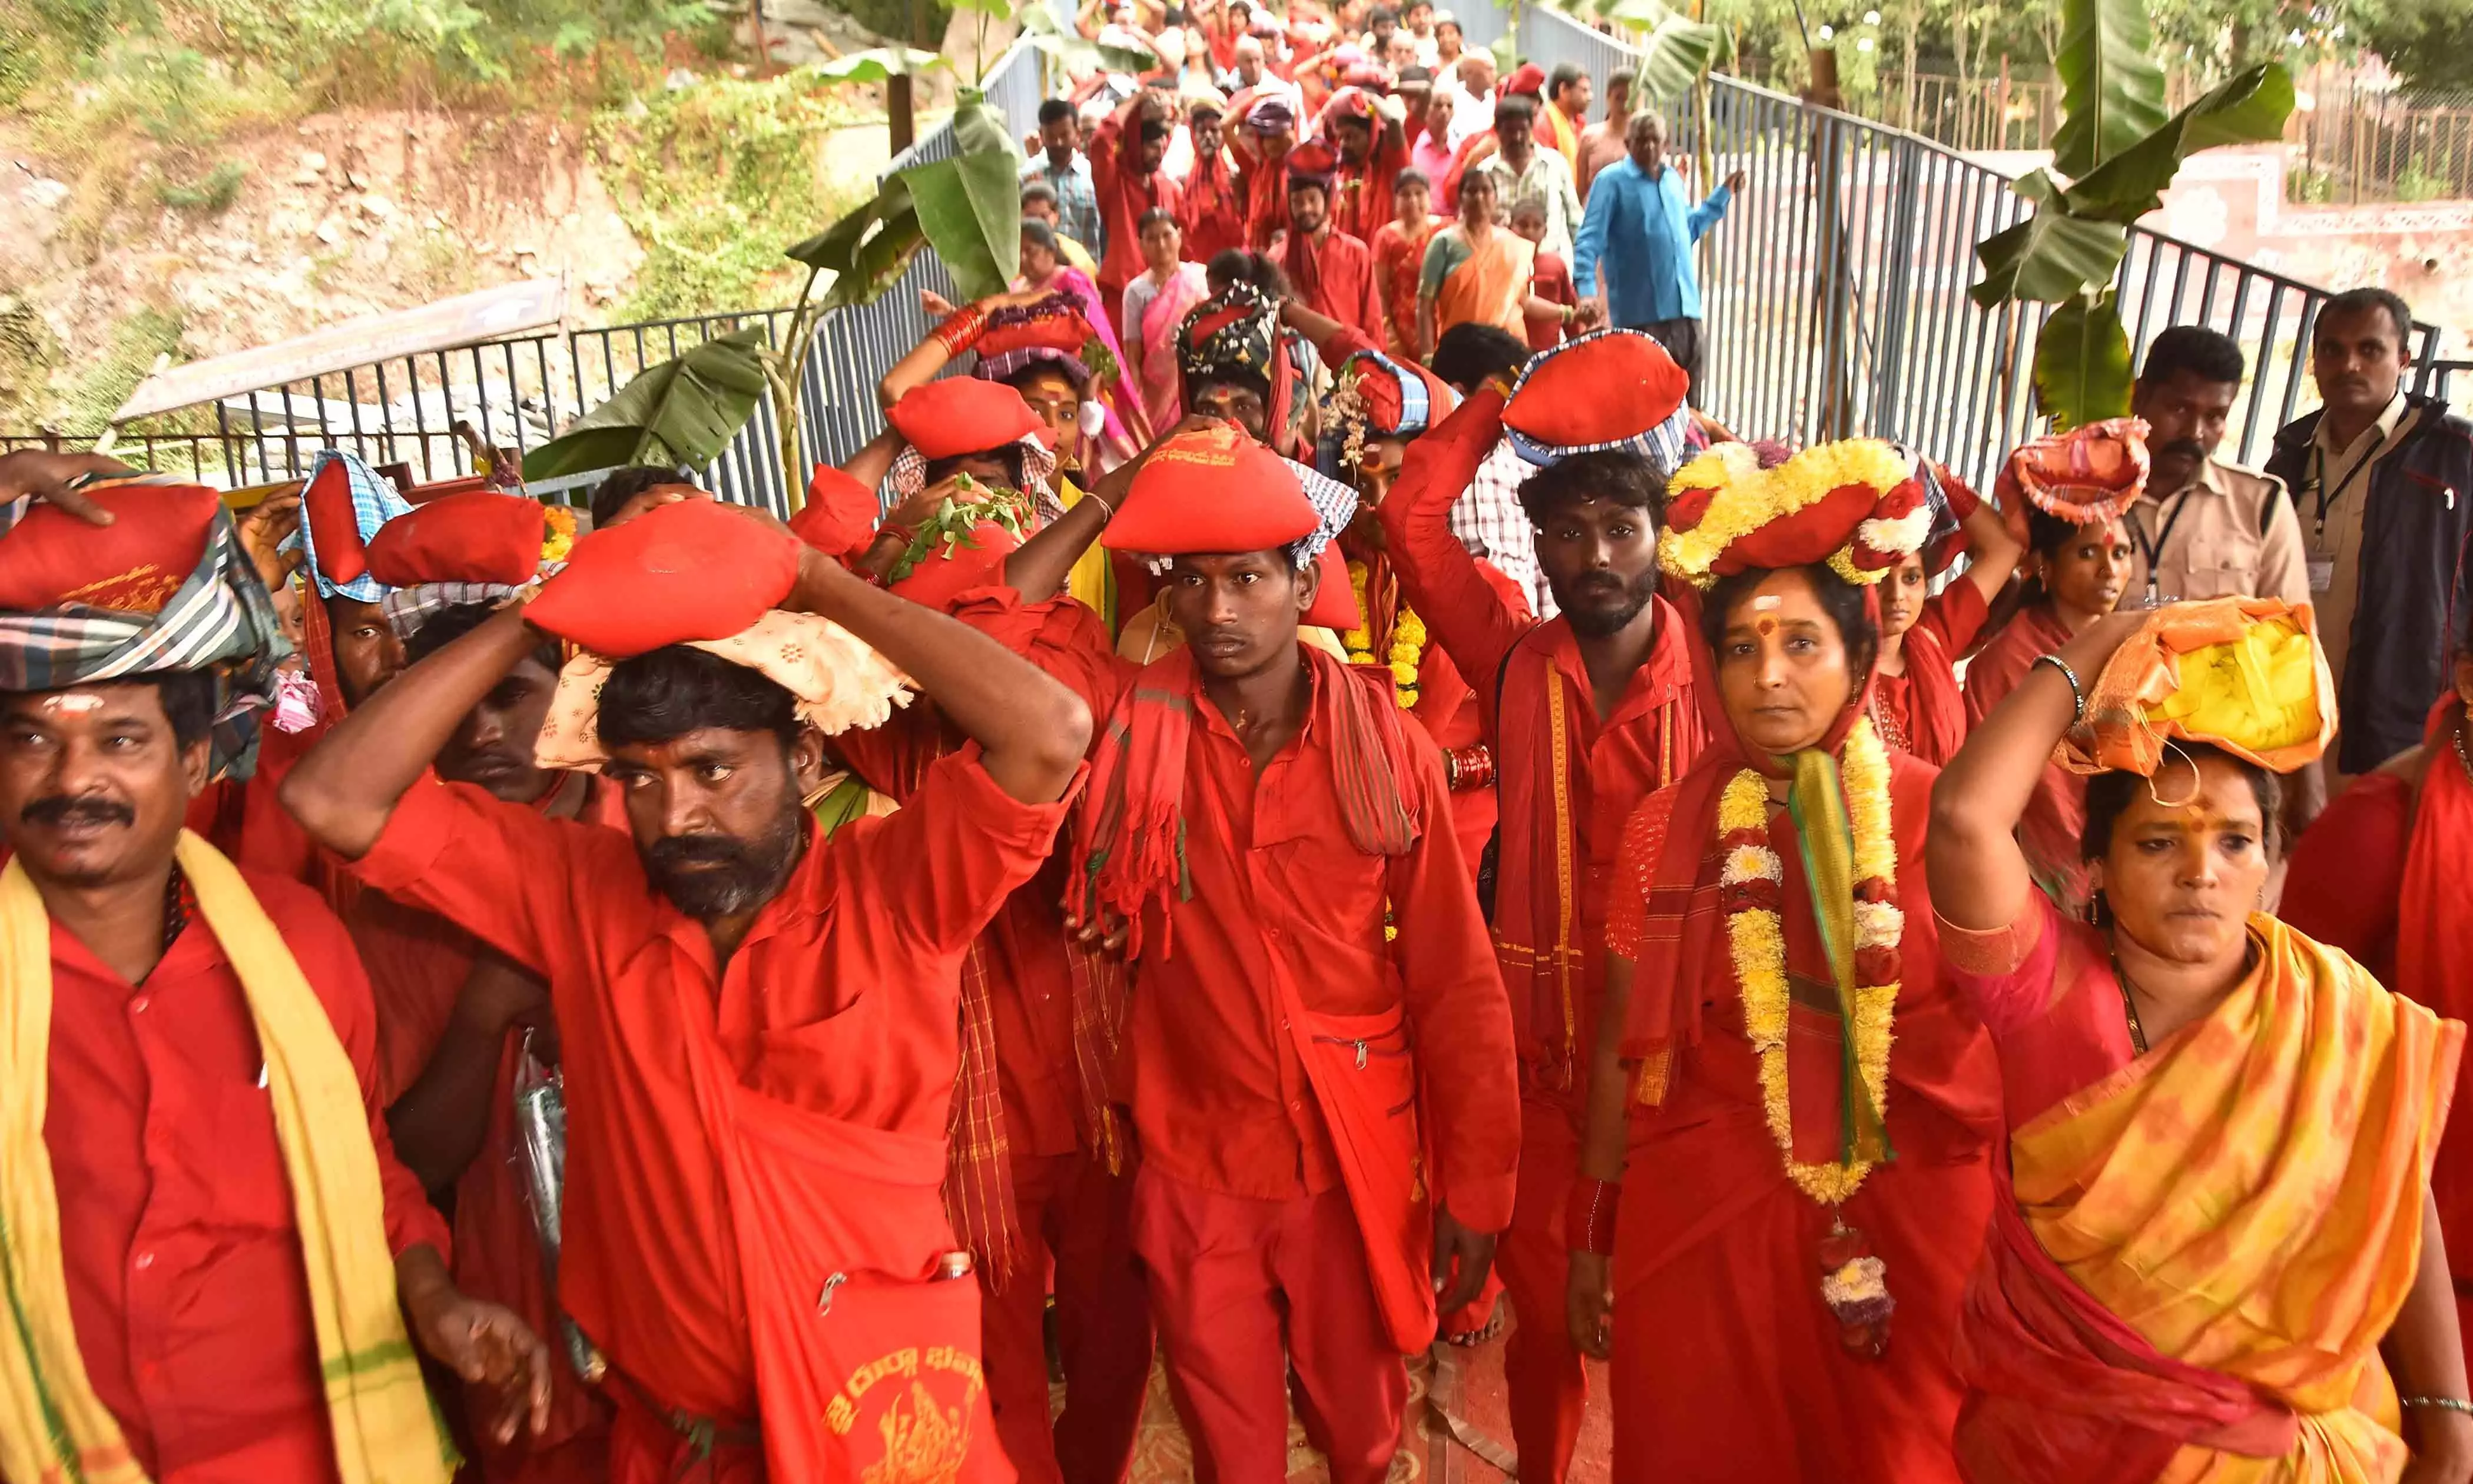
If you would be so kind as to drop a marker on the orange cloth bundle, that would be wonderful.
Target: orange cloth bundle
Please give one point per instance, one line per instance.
(133, 565)
(697, 569)
(479, 536)
(2242, 673)
(2084, 475)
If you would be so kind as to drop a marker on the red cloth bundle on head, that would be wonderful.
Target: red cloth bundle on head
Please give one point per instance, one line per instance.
(1857, 505)
(1313, 163)
(1612, 389)
(959, 414)
(840, 516)
(477, 537)
(50, 557)
(1334, 604)
(2084, 475)
(1213, 490)
(1051, 325)
(696, 569)
(1528, 82)
(952, 568)
(334, 522)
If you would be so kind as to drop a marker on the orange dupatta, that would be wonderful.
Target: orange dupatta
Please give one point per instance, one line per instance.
(2244, 1201)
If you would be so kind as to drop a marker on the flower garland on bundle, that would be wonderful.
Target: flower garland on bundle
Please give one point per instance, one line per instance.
(1699, 527)
(1408, 649)
(558, 534)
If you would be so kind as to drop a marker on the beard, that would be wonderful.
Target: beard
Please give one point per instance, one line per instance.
(1590, 601)
(716, 875)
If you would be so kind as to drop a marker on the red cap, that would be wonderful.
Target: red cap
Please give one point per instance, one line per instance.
(961, 415)
(696, 569)
(840, 516)
(477, 537)
(1212, 490)
(133, 565)
(1531, 79)
(1314, 161)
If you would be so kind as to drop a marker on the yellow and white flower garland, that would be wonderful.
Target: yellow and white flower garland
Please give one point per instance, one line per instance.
(1750, 882)
(1408, 649)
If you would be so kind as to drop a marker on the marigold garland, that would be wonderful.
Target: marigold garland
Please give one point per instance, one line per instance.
(1750, 883)
(1407, 655)
(558, 533)
(1700, 525)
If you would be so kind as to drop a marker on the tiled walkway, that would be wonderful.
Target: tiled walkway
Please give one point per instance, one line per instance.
(1163, 1456)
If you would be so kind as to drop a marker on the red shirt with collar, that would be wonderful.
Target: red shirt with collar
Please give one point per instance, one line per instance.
(178, 1237)
(842, 1002)
(1124, 195)
(1219, 1094)
(1563, 804)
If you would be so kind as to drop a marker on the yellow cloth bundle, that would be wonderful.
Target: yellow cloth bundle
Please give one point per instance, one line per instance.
(53, 1429)
(2242, 673)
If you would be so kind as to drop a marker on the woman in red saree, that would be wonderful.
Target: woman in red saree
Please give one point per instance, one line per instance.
(2382, 874)
(2216, 1212)
(1916, 705)
(2076, 574)
(1770, 942)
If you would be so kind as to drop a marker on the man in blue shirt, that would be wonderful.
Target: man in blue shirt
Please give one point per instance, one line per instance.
(1065, 170)
(1638, 232)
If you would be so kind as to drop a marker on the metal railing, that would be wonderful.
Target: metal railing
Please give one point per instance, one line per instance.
(1835, 293)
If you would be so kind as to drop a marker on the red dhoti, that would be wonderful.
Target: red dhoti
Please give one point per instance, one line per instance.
(1549, 1389)
(1223, 1269)
(1069, 1208)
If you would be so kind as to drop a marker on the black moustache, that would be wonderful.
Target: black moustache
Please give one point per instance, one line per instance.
(61, 809)
(2186, 448)
(697, 849)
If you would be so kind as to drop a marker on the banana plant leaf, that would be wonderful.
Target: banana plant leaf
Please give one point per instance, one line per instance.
(877, 64)
(2082, 362)
(868, 251)
(2112, 91)
(2048, 258)
(969, 207)
(2249, 107)
(1676, 49)
(684, 411)
(1079, 55)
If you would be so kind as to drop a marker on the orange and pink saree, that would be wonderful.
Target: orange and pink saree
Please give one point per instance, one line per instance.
(2200, 1248)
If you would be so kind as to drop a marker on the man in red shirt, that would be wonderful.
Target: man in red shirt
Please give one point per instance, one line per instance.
(1323, 1108)
(1369, 131)
(1267, 130)
(232, 1269)
(1330, 269)
(758, 1030)
(1211, 209)
(1587, 714)
(1130, 182)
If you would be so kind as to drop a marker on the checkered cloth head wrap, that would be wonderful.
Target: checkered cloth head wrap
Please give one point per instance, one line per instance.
(1631, 368)
(407, 608)
(1236, 332)
(219, 620)
(376, 501)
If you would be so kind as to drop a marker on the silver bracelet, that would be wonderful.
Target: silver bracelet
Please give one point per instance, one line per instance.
(2077, 692)
(2445, 1404)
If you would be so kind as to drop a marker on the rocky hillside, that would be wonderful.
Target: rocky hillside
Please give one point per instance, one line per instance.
(157, 201)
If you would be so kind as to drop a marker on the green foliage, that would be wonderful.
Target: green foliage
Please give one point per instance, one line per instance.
(684, 411)
(2308, 186)
(212, 192)
(2112, 91)
(81, 406)
(868, 249)
(712, 177)
(2082, 362)
(968, 207)
(2426, 41)
(1079, 55)
(2066, 253)
(892, 17)
(2417, 181)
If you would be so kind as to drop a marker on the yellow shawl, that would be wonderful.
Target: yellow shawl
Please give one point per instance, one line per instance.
(2248, 1197)
(53, 1430)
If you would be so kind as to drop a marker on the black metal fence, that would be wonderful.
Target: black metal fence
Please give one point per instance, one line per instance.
(1835, 293)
